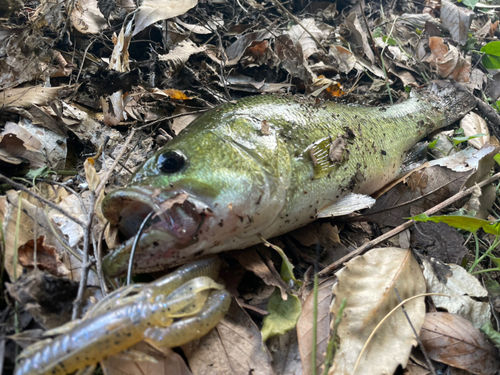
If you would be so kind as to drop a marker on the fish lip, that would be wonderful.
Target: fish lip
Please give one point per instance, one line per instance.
(177, 212)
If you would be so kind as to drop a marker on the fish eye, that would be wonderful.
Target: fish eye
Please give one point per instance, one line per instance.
(171, 161)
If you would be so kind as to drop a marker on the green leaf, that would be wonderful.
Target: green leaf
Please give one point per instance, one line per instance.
(470, 224)
(497, 158)
(469, 45)
(389, 41)
(433, 144)
(496, 261)
(458, 140)
(492, 48)
(283, 315)
(377, 32)
(470, 3)
(491, 62)
(42, 172)
(493, 335)
(286, 267)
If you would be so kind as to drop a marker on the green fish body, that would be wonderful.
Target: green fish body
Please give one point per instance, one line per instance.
(264, 166)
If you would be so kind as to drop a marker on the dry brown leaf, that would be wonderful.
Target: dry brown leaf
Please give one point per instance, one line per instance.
(368, 282)
(435, 183)
(451, 339)
(305, 327)
(358, 37)
(323, 233)
(47, 258)
(457, 20)
(286, 355)
(27, 96)
(234, 347)
(345, 59)
(251, 261)
(9, 220)
(48, 299)
(448, 61)
(238, 48)
(182, 122)
(298, 34)
(168, 362)
(291, 57)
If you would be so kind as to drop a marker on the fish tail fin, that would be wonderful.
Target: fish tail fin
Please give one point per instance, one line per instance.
(448, 97)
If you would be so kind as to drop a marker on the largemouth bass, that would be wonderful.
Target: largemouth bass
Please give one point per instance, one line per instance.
(265, 166)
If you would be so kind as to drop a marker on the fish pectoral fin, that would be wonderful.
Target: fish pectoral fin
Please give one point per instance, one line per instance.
(346, 205)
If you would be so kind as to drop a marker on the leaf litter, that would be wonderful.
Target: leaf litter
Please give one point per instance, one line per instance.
(89, 90)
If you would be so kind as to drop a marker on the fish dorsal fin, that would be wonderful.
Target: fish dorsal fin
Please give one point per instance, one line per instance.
(346, 205)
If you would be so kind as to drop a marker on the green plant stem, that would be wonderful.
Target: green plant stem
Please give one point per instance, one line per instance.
(484, 271)
(479, 259)
(332, 345)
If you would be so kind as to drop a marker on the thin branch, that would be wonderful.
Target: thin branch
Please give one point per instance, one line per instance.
(362, 249)
(420, 345)
(77, 305)
(115, 163)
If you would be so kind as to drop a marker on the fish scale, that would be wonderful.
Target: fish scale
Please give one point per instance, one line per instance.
(264, 165)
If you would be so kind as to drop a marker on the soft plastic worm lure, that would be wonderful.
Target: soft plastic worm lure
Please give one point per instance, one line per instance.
(175, 309)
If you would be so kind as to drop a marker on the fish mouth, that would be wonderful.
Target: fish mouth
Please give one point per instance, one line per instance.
(176, 212)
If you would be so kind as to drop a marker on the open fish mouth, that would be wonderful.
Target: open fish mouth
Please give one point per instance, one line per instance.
(175, 212)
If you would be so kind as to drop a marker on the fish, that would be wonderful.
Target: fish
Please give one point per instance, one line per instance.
(263, 166)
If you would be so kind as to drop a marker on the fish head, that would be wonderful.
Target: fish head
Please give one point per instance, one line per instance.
(208, 188)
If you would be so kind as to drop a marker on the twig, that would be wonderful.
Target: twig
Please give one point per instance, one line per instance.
(41, 199)
(98, 258)
(420, 345)
(77, 305)
(362, 249)
(115, 163)
(296, 20)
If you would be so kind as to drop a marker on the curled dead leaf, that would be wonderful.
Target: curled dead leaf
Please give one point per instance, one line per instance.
(47, 258)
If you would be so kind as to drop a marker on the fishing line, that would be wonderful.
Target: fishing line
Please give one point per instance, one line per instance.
(136, 241)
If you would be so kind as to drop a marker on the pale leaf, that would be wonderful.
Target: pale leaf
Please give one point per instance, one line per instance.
(27, 96)
(87, 18)
(152, 11)
(309, 45)
(368, 283)
(465, 293)
(474, 124)
(457, 20)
